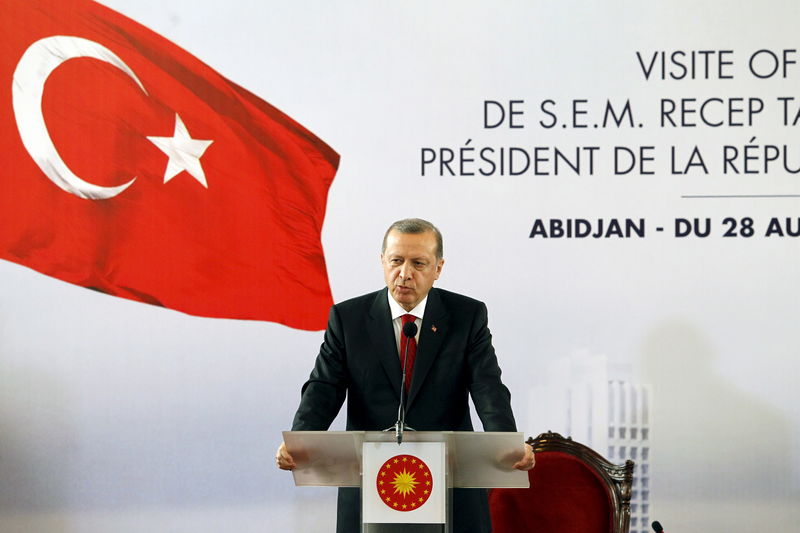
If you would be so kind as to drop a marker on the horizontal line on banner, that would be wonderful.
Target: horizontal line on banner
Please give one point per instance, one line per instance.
(740, 196)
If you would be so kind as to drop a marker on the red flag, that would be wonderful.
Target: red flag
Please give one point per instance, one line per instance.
(133, 168)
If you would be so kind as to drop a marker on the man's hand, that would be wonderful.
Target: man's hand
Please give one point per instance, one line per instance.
(527, 461)
(283, 459)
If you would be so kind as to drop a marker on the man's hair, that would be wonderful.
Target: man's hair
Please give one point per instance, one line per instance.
(415, 225)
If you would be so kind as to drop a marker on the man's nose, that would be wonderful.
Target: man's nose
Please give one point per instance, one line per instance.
(405, 271)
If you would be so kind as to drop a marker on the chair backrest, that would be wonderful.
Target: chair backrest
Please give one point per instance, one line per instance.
(573, 489)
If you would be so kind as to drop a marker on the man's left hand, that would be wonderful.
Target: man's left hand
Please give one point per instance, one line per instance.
(527, 461)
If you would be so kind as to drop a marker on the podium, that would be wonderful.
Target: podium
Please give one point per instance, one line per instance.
(406, 487)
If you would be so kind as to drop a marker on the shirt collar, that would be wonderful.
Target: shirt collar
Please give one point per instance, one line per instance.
(397, 310)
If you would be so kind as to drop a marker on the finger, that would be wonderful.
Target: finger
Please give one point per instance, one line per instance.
(287, 458)
(286, 466)
(528, 459)
(524, 465)
(284, 463)
(283, 459)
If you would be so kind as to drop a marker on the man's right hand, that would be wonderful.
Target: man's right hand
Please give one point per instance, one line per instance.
(283, 459)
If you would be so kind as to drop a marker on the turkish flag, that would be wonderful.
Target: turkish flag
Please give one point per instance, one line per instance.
(133, 168)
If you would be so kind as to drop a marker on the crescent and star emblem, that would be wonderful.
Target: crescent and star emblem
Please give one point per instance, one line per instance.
(404, 483)
(33, 69)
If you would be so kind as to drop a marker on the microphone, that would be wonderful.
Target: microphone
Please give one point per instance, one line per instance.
(410, 331)
(657, 527)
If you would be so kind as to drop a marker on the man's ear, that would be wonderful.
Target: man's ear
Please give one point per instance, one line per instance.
(439, 266)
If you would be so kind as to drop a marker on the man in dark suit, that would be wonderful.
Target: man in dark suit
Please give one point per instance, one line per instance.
(454, 359)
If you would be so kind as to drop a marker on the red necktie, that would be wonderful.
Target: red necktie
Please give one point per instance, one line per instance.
(411, 352)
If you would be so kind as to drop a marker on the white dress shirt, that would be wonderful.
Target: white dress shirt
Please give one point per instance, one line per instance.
(397, 312)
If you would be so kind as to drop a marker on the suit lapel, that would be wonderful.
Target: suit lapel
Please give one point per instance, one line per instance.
(434, 328)
(384, 345)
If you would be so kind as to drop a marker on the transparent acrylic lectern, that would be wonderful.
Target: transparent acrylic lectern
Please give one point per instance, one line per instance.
(344, 459)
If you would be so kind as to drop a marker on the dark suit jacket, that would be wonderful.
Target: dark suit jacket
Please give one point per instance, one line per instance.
(455, 359)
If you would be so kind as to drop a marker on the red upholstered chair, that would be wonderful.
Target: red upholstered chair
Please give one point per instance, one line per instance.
(573, 490)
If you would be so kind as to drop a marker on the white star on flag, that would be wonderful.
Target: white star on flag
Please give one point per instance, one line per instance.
(183, 151)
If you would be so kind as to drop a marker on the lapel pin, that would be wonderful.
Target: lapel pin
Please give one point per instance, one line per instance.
(433, 329)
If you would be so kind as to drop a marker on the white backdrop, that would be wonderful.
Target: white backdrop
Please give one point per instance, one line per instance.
(118, 416)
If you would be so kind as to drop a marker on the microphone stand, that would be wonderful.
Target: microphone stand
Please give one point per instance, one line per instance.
(400, 425)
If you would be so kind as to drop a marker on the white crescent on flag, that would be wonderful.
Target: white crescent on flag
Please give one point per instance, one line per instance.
(34, 67)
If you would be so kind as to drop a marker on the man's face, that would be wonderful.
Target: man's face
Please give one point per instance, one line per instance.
(410, 266)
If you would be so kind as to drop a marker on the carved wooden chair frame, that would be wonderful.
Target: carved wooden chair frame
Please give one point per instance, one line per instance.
(617, 478)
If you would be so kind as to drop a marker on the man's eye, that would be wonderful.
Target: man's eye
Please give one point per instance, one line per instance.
(395, 261)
